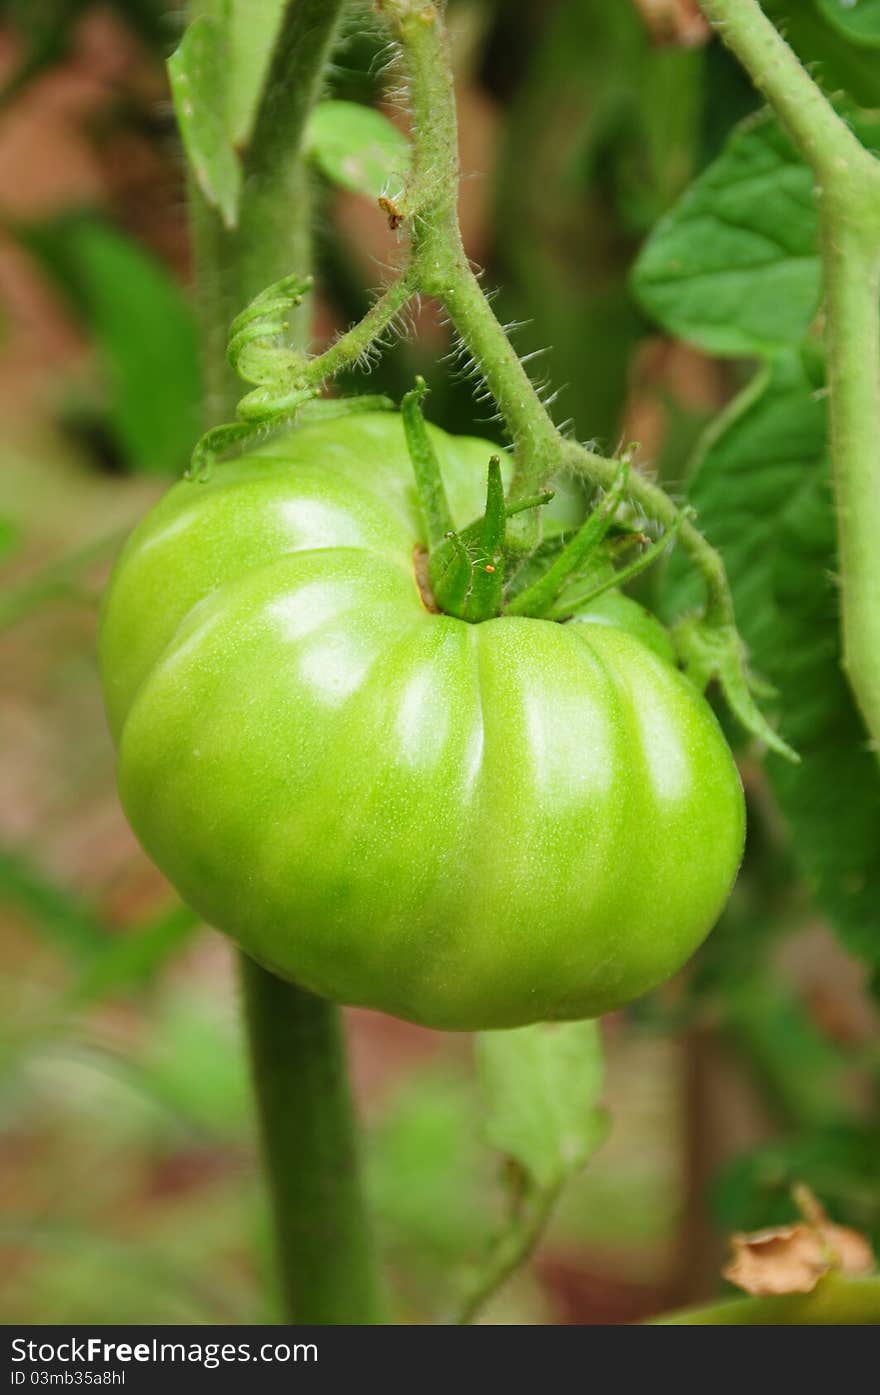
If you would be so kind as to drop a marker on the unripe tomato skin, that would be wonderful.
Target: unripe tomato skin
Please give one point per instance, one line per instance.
(468, 826)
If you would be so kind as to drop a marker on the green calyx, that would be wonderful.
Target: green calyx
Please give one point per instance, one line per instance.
(479, 573)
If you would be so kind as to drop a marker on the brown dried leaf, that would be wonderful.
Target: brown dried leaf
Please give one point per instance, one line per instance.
(851, 1251)
(793, 1258)
(678, 22)
(790, 1259)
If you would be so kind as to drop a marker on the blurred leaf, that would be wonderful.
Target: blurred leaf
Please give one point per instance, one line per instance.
(144, 331)
(803, 1073)
(611, 125)
(58, 914)
(9, 538)
(135, 957)
(357, 148)
(859, 20)
(839, 1165)
(195, 1064)
(65, 1278)
(734, 267)
(198, 72)
(542, 1086)
(763, 497)
(430, 1183)
(63, 577)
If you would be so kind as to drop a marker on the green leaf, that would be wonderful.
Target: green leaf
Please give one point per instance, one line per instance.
(859, 20)
(430, 1184)
(806, 1076)
(135, 957)
(252, 27)
(59, 915)
(357, 148)
(542, 1087)
(734, 267)
(9, 538)
(763, 497)
(198, 71)
(144, 332)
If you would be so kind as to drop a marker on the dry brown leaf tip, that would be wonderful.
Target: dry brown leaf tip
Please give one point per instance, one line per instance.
(677, 22)
(793, 1258)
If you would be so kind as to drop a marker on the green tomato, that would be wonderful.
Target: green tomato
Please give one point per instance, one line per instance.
(469, 826)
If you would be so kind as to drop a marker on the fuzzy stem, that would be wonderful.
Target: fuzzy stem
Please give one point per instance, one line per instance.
(852, 290)
(848, 189)
(327, 1267)
(328, 1270)
(658, 505)
(362, 337)
(442, 269)
(439, 260)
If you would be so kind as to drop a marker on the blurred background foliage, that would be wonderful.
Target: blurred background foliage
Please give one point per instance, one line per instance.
(129, 1187)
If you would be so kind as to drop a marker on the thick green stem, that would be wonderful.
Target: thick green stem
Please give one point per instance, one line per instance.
(274, 235)
(328, 1269)
(327, 1265)
(852, 295)
(848, 188)
(837, 1301)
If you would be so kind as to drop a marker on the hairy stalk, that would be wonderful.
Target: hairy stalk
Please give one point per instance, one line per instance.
(598, 470)
(327, 1266)
(848, 189)
(362, 337)
(430, 205)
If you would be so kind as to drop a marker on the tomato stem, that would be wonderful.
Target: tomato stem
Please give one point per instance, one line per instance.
(326, 1260)
(328, 1270)
(440, 268)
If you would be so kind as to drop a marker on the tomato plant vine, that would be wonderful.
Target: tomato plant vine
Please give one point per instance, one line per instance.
(251, 233)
